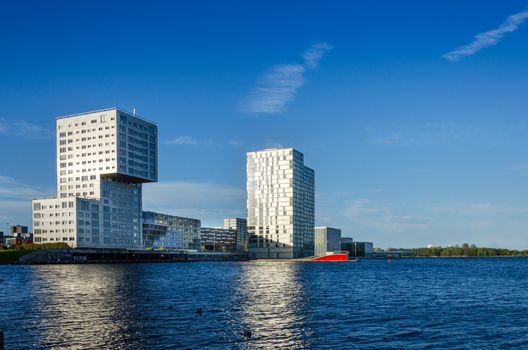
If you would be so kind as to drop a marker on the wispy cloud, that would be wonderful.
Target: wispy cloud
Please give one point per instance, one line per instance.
(182, 140)
(383, 218)
(489, 38)
(15, 200)
(278, 86)
(188, 140)
(430, 133)
(481, 209)
(22, 128)
(234, 142)
(313, 55)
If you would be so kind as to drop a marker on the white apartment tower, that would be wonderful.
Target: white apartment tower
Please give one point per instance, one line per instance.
(103, 157)
(280, 204)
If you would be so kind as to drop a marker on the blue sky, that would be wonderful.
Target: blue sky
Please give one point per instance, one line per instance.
(412, 113)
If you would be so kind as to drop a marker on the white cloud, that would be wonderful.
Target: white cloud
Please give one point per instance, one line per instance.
(481, 209)
(383, 218)
(360, 208)
(313, 55)
(430, 133)
(278, 86)
(208, 202)
(489, 38)
(388, 139)
(24, 129)
(188, 140)
(15, 200)
(269, 143)
(182, 140)
(235, 143)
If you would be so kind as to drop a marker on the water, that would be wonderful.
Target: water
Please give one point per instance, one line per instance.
(406, 304)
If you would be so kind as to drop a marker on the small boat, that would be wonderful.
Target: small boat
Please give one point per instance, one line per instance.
(332, 256)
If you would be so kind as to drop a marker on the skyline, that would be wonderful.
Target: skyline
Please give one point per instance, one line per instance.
(409, 146)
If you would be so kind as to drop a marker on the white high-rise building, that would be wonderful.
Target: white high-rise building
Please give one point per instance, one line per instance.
(280, 204)
(103, 157)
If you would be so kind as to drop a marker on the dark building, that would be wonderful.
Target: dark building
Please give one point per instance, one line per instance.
(357, 249)
(169, 231)
(218, 239)
(20, 235)
(18, 229)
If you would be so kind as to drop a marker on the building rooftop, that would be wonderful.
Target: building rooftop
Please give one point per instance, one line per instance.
(104, 110)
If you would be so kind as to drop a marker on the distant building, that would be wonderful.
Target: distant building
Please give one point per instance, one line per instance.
(345, 240)
(20, 235)
(357, 249)
(327, 239)
(18, 229)
(218, 239)
(240, 225)
(103, 158)
(280, 204)
(169, 231)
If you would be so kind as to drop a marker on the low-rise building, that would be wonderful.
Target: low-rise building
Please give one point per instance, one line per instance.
(218, 239)
(169, 231)
(327, 239)
(357, 249)
(21, 235)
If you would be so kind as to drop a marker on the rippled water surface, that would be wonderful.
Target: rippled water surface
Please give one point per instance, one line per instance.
(406, 304)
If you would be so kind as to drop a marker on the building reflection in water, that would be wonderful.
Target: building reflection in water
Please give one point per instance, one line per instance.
(274, 305)
(84, 306)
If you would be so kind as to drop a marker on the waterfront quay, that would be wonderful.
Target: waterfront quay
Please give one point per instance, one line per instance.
(93, 255)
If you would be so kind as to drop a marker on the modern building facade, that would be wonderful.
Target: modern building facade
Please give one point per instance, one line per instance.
(169, 231)
(327, 239)
(240, 226)
(218, 239)
(280, 204)
(103, 158)
(357, 249)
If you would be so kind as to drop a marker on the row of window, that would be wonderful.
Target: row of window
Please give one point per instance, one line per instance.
(103, 119)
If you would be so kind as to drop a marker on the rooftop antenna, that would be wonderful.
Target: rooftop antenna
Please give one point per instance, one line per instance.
(134, 112)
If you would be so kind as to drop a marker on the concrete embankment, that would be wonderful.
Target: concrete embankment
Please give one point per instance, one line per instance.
(87, 256)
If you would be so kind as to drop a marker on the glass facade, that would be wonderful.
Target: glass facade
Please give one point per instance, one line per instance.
(240, 226)
(168, 231)
(218, 239)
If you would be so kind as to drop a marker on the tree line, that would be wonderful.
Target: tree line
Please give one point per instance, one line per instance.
(464, 250)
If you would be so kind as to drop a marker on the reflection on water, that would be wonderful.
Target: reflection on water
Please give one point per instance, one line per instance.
(274, 305)
(408, 304)
(84, 305)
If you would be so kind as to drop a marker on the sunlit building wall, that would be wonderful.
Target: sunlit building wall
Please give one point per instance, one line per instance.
(103, 157)
(327, 239)
(280, 204)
